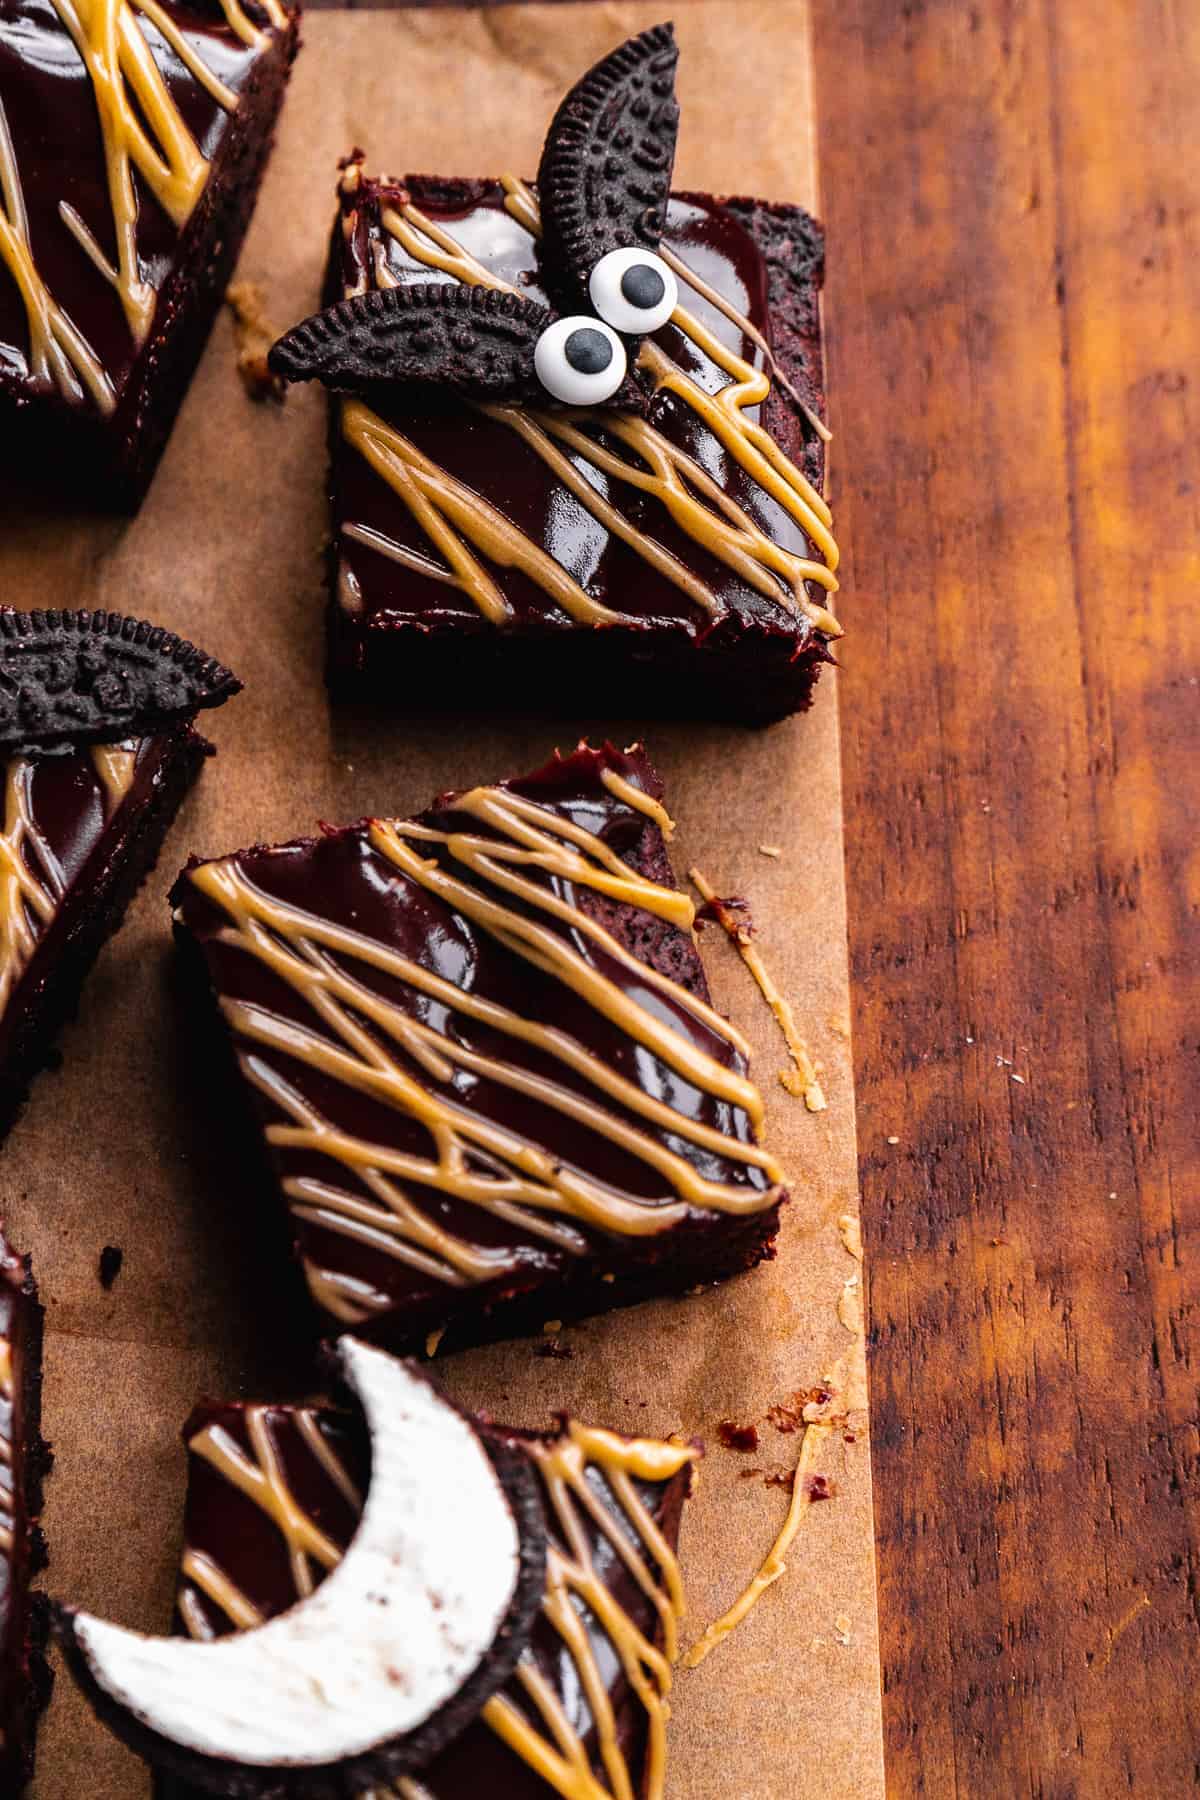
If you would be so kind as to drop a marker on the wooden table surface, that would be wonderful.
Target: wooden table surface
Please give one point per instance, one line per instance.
(1012, 192)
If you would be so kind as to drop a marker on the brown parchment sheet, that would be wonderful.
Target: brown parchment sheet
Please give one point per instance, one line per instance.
(124, 1146)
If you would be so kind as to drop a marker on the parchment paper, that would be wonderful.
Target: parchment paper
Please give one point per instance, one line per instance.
(122, 1146)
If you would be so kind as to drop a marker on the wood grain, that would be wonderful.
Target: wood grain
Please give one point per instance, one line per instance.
(1011, 198)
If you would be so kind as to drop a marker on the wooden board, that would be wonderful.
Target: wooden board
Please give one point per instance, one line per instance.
(1014, 228)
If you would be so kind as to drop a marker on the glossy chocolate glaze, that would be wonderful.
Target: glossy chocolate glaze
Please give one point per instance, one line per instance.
(242, 1541)
(493, 461)
(22, 1674)
(68, 805)
(51, 111)
(342, 877)
(52, 117)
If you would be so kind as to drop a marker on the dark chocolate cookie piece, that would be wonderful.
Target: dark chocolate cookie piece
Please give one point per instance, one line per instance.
(73, 678)
(474, 340)
(605, 173)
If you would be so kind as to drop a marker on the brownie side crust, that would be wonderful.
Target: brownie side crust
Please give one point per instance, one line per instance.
(232, 1533)
(538, 1278)
(48, 990)
(25, 1677)
(208, 253)
(754, 664)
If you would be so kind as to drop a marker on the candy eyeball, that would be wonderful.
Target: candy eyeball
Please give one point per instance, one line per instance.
(580, 361)
(633, 291)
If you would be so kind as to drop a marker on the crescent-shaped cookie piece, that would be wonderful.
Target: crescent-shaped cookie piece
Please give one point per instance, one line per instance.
(605, 173)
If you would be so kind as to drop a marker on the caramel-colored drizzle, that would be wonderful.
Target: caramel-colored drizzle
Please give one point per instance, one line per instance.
(538, 1731)
(695, 501)
(58, 352)
(801, 1079)
(129, 88)
(445, 507)
(7, 1521)
(238, 21)
(717, 299)
(489, 1165)
(774, 1565)
(552, 1747)
(115, 764)
(142, 129)
(640, 800)
(260, 1476)
(29, 900)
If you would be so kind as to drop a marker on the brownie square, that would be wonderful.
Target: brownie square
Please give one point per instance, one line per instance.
(237, 1565)
(481, 1061)
(24, 1459)
(80, 834)
(113, 262)
(481, 559)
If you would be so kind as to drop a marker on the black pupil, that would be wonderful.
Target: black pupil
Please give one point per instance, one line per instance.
(642, 285)
(588, 351)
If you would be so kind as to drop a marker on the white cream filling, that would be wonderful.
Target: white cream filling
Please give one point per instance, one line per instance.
(389, 1636)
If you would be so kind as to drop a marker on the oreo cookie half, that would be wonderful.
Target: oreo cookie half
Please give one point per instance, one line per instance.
(605, 174)
(73, 678)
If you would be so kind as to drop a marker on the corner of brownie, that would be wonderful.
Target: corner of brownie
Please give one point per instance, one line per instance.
(115, 263)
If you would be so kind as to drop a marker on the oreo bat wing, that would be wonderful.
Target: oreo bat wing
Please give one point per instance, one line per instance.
(478, 342)
(605, 173)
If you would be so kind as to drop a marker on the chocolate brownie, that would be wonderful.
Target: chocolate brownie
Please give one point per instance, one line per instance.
(97, 752)
(591, 1687)
(24, 1459)
(512, 525)
(480, 1057)
(132, 142)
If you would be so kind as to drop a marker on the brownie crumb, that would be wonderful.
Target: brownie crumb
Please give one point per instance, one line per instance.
(731, 912)
(788, 1415)
(111, 1258)
(254, 334)
(556, 1348)
(819, 1487)
(737, 1437)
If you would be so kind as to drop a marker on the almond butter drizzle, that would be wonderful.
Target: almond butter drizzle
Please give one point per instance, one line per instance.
(58, 352)
(556, 1752)
(142, 129)
(446, 508)
(474, 1159)
(546, 1741)
(801, 1080)
(774, 1565)
(640, 800)
(29, 900)
(238, 21)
